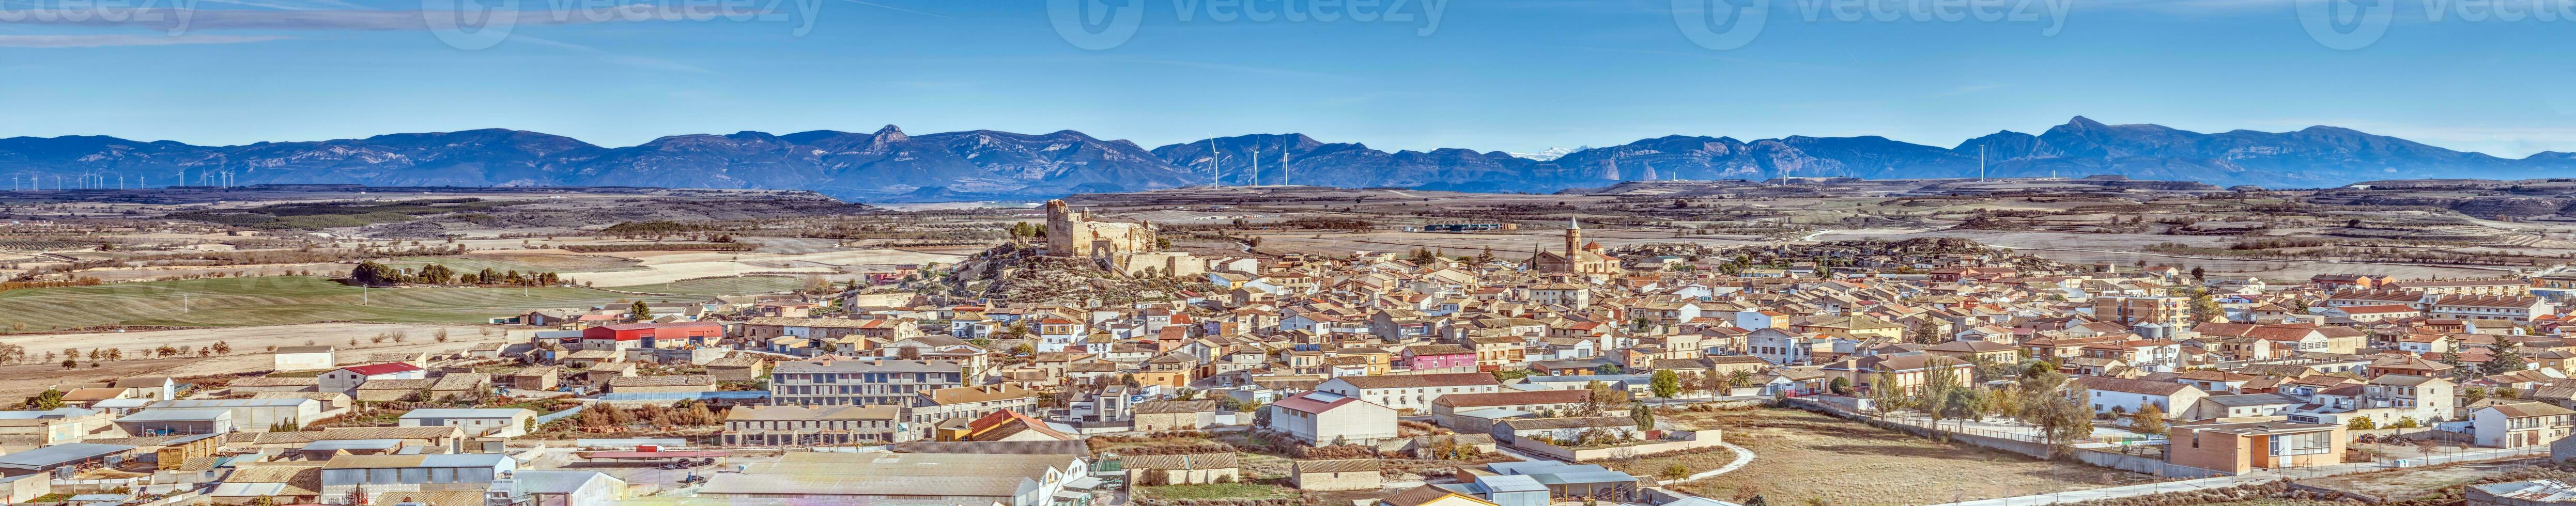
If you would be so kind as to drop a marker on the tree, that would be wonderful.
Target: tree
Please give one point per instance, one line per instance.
(640, 311)
(2204, 308)
(1839, 386)
(1644, 416)
(50, 399)
(1602, 396)
(2474, 394)
(2054, 402)
(1935, 396)
(2149, 420)
(1885, 395)
(2199, 275)
(1923, 333)
(2460, 370)
(2505, 361)
(1667, 383)
(1738, 378)
(2360, 423)
(2405, 423)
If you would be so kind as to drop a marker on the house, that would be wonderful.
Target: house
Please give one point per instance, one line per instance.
(539, 378)
(2520, 424)
(1336, 475)
(2246, 405)
(737, 368)
(1193, 469)
(347, 379)
(63, 460)
(1174, 415)
(2239, 447)
(971, 402)
(808, 426)
(1325, 418)
(173, 422)
(651, 335)
(2123, 396)
(568, 488)
(662, 384)
(1456, 411)
(477, 422)
(1435, 358)
(303, 358)
(860, 383)
(1908, 372)
(1410, 391)
(1432, 495)
(380, 479)
(902, 478)
(257, 415)
(1000, 426)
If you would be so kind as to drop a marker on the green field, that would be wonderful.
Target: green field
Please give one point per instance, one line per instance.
(721, 286)
(520, 262)
(275, 300)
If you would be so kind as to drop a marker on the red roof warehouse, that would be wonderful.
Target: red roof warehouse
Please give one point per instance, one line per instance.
(650, 332)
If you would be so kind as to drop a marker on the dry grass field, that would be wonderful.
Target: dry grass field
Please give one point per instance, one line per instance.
(2412, 482)
(250, 350)
(1802, 455)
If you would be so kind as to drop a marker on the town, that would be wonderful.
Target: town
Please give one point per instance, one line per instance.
(1085, 361)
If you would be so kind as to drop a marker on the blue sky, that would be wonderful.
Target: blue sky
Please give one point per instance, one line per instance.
(1516, 75)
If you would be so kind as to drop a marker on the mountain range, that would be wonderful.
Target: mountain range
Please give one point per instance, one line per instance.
(890, 165)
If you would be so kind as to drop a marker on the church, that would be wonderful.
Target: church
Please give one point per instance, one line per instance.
(1579, 258)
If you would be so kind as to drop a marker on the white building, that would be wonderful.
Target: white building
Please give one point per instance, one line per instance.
(494, 422)
(1411, 391)
(1325, 418)
(2522, 424)
(347, 379)
(304, 358)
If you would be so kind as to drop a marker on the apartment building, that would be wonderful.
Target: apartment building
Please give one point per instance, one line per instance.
(860, 383)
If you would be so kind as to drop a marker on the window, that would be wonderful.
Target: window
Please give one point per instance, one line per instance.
(2310, 443)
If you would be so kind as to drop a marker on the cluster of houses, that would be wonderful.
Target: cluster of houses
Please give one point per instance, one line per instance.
(994, 398)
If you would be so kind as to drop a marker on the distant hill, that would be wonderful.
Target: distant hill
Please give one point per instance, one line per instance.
(890, 165)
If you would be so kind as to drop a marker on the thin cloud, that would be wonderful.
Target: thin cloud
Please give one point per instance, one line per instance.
(69, 41)
(228, 19)
(893, 8)
(615, 57)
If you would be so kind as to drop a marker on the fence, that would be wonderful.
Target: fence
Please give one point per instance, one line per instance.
(559, 415)
(2139, 454)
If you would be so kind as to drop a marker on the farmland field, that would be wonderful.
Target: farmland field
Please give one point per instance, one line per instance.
(1802, 455)
(274, 300)
(722, 286)
(522, 262)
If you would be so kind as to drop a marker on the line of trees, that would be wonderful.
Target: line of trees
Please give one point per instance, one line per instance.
(376, 274)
